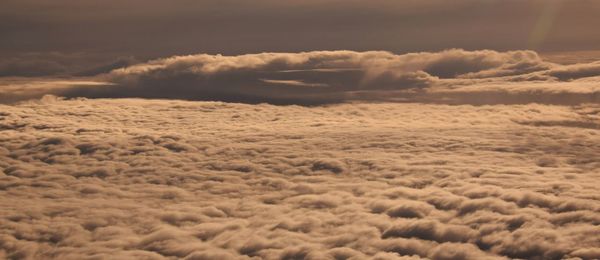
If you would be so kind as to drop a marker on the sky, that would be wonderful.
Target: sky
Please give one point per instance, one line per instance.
(82, 37)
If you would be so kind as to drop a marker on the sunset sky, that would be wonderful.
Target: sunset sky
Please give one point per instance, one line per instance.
(315, 129)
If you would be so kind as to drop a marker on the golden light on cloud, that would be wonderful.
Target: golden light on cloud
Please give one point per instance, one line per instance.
(326, 130)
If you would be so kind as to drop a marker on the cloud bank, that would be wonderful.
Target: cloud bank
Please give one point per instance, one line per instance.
(164, 179)
(335, 76)
(319, 77)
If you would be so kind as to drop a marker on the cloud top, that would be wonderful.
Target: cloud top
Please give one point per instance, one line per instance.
(338, 76)
(164, 179)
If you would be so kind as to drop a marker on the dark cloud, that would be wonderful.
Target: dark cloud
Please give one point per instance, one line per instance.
(106, 67)
(576, 71)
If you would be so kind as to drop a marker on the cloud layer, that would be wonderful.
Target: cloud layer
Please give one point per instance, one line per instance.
(208, 180)
(337, 76)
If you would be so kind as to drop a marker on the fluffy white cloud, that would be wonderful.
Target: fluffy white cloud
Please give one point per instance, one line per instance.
(208, 180)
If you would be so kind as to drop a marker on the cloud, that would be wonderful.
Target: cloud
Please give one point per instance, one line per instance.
(331, 76)
(19, 89)
(322, 77)
(273, 77)
(160, 179)
(576, 71)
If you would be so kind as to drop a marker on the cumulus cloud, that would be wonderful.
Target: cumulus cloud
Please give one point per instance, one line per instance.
(319, 77)
(285, 77)
(164, 179)
(337, 76)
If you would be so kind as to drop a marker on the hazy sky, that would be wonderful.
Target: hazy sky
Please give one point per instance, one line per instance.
(152, 28)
